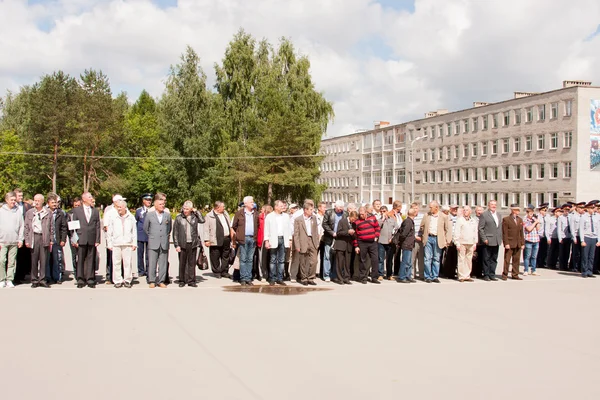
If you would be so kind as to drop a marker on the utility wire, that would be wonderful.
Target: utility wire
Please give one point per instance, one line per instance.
(15, 153)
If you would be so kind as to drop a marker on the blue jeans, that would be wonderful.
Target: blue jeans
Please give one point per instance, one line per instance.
(432, 258)
(326, 261)
(587, 256)
(406, 265)
(54, 264)
(277, 260)
(381, 259)
(246, 258)
(530, 255)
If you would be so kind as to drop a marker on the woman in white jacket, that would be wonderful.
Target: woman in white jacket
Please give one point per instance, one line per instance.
(121, 238)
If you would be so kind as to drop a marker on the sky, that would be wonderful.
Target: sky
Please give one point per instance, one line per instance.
(390, 60)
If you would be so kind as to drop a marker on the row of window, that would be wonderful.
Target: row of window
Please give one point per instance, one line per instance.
(497, 146)
(482, 199)
(505, 173)
(345, 165)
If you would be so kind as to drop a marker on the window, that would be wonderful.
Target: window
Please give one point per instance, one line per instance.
(528, 143)
(456, 153)
(389, 158)
(367, 179)
(367, 141)
(440, 131)
(448, 153)
(457, 178)
(517, 198)
(448, 129)
(494, 147)
(541, 171)
(517, 145)
(541, 198)
(401, 176)
(529, 115)
(541, 142)
(529, 172)
(505, 200)
(466, 175)
(389, 138)
(400, 137)
(554, 170)
(506, 118)
(440, 155)
(517, 173)
(505, 146)
(485, 122)
(475, 124)
(432, 176)
(495, 120)
(400, 156)
(542, 112)
(367, 160)
(431, 132)
(475, 174)
(425, 176)
(466, 126)
(529, 198)
(457, 128)
(377, 178)
(554, 197)
(465, 148)
(484, 176)
(378, 139)
(505, 173)
(568, 108)
(424, 156)
(568, 140)
(554, 140)
(495, 173)
(377, 159)
(567, 173)
(554, 111)
(517, 117)
(388, 177)
(484, 148)
(474, 149)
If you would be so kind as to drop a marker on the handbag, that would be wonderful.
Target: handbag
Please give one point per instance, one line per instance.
(232, 253)
(202, 261)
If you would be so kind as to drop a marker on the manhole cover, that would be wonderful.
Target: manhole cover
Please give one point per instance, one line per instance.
(274, 290)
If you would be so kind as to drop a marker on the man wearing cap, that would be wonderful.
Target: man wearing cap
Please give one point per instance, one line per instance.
(564, 238)
(574, 218)
(543, 247)
(110, 212)
(589, 226)
(490, 236)
(142, 238)
(551, 230)
(531, 226)
(514, 241)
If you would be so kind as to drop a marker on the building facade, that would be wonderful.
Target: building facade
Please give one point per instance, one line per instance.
(532, 149)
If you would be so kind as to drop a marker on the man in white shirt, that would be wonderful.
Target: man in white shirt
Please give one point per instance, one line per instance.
(110, 213)
(277, 239)
(465, 238)
(121, 239)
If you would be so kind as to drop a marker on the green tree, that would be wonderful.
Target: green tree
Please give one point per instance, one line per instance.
(12, 167)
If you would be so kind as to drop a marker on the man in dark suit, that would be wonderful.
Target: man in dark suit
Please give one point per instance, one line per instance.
(490, 237)
(142, 238)
(88, 239)
(158, 226)
(343, 248)
(23, 253)
(513, 238)
(306, 239)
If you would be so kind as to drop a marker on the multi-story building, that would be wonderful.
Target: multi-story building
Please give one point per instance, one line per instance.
(534, 148)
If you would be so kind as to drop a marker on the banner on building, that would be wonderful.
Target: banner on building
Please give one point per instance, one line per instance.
(595, 135)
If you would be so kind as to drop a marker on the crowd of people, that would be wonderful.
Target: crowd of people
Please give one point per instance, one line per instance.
(366, 243)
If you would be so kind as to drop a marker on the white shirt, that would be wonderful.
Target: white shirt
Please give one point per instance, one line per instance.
(224, 224)
(433, 225)
(308, 223)
(88, 212)
(281, 220)
(495, 216)
(159, 216)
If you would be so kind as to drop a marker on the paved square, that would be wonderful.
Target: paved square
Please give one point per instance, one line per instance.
(534, 339)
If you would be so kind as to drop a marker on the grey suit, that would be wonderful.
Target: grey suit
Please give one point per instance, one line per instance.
(492, 232)
(158, 245)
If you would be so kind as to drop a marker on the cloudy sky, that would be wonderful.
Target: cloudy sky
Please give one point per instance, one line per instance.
(375, 59)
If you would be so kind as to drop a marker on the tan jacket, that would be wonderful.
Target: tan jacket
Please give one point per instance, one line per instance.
(301, 238)
(444, 230)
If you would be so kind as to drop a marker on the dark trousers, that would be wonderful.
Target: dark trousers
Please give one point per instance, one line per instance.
(477, 264)
(553, 248)
(390, 250)
(256, 264)
(39, 257)
(575, 263)
(450, 262)
(490, 260)
(342, 265)
(86, 263)
(54, 264)
(542, 253)
(265, 259)
(142, 257)
(596, 266)
(371, 250)
(588, 256)
(187, 263)
(109, 265)
(513, 255)
(23, 263)
(219, 258)
(563, 254)
(397, 260)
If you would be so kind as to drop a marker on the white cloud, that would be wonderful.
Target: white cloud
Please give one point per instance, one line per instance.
(444, 55)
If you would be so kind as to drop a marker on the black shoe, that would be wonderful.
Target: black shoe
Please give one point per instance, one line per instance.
(271, 283)
(127, 285)
(312, 283)
(428, 280)
(193, 284)
(92, 285)
(181, 284)
(337, 281)
(347, 282)
(34, 285)
(364, 281)
(218, 276)
(402, 281)
(304, 283)
(59, 282)
(375, 281)
(80, 285)
(118, 285)
(411, 280)
(436, 280)
(493, 278)
(591, 276)
(226, 275)
(281, 283)
(486, 278)
(250, 283)
(243, 283)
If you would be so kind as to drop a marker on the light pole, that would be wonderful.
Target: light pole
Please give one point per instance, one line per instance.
(412, 167)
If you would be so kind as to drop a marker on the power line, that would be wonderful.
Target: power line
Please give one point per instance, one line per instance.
(16, 153)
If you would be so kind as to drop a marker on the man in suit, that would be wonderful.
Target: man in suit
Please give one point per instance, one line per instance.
(142, 238)
(88, 239)
(245, 226)
(218, 236)
(23, 253)
(513, 238)
(158, 226)
(490, 237)
(58, 239)
(306, 239)
(344, 249)
(436, 234)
